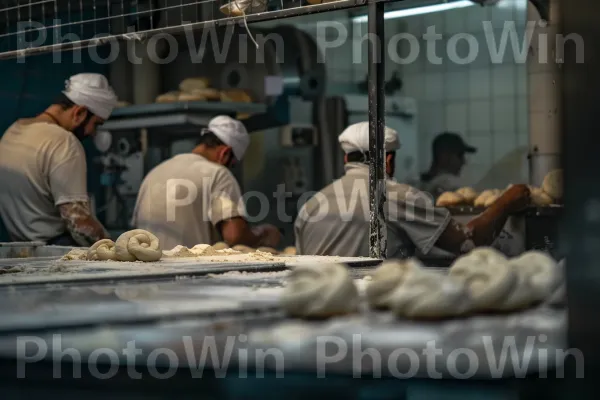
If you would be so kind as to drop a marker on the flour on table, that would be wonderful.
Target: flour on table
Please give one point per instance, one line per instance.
(75, 254)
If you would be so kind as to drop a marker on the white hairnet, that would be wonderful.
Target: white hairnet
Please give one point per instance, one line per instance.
(356, 138)
(231, 132)
(93, 92)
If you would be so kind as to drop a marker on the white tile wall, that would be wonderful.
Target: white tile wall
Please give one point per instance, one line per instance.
(486, 102)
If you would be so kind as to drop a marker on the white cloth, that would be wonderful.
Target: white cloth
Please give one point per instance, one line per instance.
(356, 138)
(231, 132)
(93, 92)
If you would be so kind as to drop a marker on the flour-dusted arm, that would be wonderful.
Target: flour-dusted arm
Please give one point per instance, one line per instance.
(81, 224)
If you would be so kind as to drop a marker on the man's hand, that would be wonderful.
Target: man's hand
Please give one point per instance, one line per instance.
(269, 235)
(516, 198)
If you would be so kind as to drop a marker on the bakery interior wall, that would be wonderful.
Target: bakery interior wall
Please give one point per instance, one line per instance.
(484, 101)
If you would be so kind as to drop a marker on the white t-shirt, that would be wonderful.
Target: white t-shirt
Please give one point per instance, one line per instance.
(336, 221)
(41, 166)
(183, 199)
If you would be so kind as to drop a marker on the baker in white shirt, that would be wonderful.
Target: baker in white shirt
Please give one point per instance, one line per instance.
(43, 169)
(194, 198)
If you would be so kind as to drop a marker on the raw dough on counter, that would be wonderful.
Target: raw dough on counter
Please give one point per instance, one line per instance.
(553, 184)
(387, 278)
(430, 295)
(544, 274)
(138, 244)
(188, 85)
(539, 197)
(320, 291)
(102, 250)
(469, 194)
(448, 199)
(488, 276)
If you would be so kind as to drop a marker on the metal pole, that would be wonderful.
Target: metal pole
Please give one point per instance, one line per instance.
(377, 192)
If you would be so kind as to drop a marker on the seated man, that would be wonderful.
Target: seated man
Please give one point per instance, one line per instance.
(335, 221)
(194, 199)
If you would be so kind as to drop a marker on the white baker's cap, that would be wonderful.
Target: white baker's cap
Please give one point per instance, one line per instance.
(356, 138)
(231, 132)
(93, 92)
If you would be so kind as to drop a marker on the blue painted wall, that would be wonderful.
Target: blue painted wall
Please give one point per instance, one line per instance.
(29, 87)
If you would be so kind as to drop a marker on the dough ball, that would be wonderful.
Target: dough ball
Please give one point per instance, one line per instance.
(488, 276)
(553, 184)
(467, 193)
(243, 249)
(540, 198)
(220, 246)
(170, 97)
(449, 199)
(430, 295)
(386, 279)
(482, 198)
(138, 245)
(320, 291)
(190, 84)
(269, 250)
(291, 250)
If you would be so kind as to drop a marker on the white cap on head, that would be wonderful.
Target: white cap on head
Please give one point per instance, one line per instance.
(356, 138)
(231, 132)
(93, 92)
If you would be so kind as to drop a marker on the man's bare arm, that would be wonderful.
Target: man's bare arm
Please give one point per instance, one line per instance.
(81, 224)
(484, 229)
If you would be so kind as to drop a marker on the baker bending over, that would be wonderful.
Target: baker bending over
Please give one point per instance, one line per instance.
(194, 198)
(43, 170)
(335, 221)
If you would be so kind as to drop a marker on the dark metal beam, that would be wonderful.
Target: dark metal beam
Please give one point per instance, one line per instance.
(377, 193)
(581, 225)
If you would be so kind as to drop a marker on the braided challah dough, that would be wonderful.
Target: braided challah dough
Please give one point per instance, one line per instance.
(427, 295)
(488, 276)
(102, 250)
(386, 279)
(320, 291)
(544, 275)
